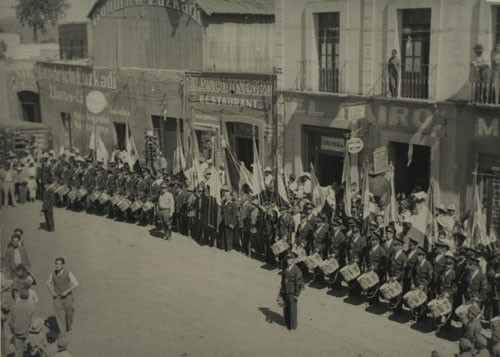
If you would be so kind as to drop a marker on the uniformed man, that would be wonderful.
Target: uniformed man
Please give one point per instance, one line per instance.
(439, 264)
(255, 229)
(338, 247)
(375, 260)
(320, 235)
(397, 269)
(388, 239)
(292, 284)
(304, 234)
(286, 225)
(355, 253)
(229, 220)
(446, 284)
(476, 286)
(166, 208)
(422, 277)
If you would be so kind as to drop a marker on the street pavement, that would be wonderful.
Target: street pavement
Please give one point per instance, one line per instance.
(141, 296)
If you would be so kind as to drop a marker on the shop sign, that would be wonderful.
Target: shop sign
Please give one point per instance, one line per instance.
(380, 160)
(356, 112)
(186, 6)
(487, 127)
(230, 90)
(409, 118)
(332, 144)
(355, 145)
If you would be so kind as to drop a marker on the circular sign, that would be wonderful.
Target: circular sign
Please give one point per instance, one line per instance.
(96, 102)
(354, 145)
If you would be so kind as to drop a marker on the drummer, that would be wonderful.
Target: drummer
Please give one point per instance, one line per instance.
(422, 276)
(446, 282)
(397, 263)
(439, 263)
(476, 285)
(338, 245)
(355, 250)
(375, 261)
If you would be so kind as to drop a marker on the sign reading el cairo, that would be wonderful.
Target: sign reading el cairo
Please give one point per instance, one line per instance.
(87, 94)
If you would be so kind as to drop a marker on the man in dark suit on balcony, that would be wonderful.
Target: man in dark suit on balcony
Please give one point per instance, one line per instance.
(393, 68)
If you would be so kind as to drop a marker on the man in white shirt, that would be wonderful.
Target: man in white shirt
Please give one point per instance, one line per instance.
(166, 208)
(268, 177)
(9, 187)
(61, 284)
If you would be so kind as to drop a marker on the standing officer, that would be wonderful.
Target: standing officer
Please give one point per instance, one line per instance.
(422, 277)
(397, 269)
(476, 284)
(355, 252)
(292, 284)
(376, 261)
(286, 225)
(49, 200)
(166, 208)
(230, 220)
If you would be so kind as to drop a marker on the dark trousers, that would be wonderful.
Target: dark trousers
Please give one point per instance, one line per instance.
(228, 238)
(257, 244)
(290, 311)
(245, 242)
(49, 220)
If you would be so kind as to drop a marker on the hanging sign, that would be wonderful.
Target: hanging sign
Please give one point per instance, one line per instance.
(380, 160)
(332, 144)
(356, 112)
(355, 145)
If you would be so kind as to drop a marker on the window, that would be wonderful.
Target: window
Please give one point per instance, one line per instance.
(416, 36)
(66, 121)
(497, 24)
(328, 51)
(30, 106)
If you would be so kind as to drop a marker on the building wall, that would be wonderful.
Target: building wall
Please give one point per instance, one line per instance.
(98, 97)
(239, 46)
(370, 29)
(148, 37)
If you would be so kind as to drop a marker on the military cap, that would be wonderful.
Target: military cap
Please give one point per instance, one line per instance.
(400, 240)
(390, 229)
(449, 255)
(376, 234)
(337, 221)
(421, 251)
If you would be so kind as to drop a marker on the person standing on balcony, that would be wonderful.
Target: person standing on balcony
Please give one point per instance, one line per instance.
(495, 67)
(481, 76)
(393, 67)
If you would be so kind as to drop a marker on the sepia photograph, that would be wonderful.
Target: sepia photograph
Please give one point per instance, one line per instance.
(222, 178)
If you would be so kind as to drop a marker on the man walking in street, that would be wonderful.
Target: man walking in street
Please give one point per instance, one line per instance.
(61, 284)
(49, 200)
(19, 321)
(292, 284)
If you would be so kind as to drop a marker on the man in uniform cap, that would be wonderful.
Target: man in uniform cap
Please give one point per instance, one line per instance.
(376, 260)
(446, 285)
(338, 243)
(292, 284)
(229, 219)
(476, 284)
(422, 277)
(439, 264)
(166, 208)
(397, 270)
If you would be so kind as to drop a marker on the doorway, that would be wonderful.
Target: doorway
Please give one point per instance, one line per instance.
(329, 168)
(120, 129)
(416, 176)
(241, 137)
(244, 150)
(165, 128)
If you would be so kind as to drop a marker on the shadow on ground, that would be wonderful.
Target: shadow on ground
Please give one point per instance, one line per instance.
(272, 317)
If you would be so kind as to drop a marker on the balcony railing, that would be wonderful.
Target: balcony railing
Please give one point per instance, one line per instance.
(413, 81)
(316, 77)
(484, 86)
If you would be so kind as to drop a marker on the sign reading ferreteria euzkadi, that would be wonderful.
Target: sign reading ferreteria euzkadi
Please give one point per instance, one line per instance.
(229, 90)
(189, 7)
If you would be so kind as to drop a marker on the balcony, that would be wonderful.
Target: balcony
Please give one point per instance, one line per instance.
(484, 86)
(416, 81)
(325, 79)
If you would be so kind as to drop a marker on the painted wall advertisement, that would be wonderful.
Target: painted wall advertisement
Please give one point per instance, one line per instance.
(94, 99)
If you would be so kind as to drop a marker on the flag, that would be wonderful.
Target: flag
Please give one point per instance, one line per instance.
(215, 200)
(61, 150)
(179, 158)
(346, 181)
(478, 233)
(258, 186)
(366, 201)
(417, 137)
(193, 170)
(391, 209)
(318, 195)
(130, 148)
(425, 224)
(279, 188)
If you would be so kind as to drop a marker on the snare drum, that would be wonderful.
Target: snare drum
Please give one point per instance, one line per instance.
(124, 204)
(116, 199)
(63, 191)
(350, 272)
(329, 266)
(137, 205)
(104, 198)
(439, 307)
(94, 196)
(279, 247)
(391, 290)
(415, 298)
(462, 311)
(301, 254)
(72, 195)
(148, 205)
(313, 261)
(81, 194)
(368, 280)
